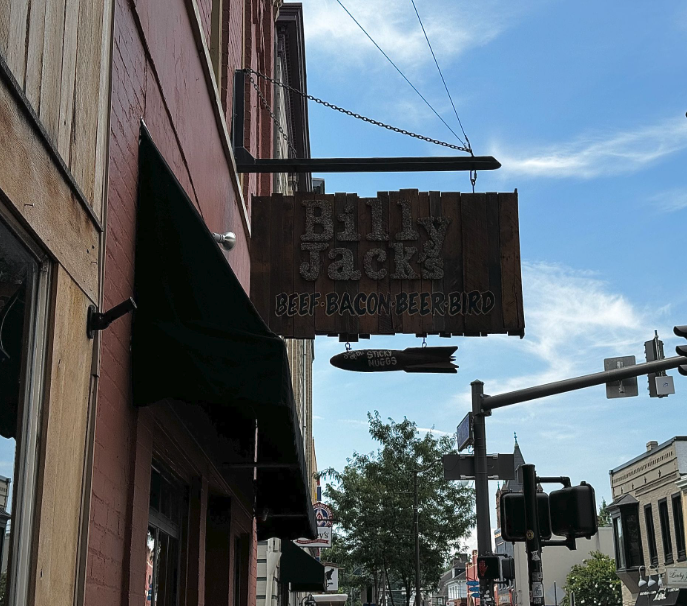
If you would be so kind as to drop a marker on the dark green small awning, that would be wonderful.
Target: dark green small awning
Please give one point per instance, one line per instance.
(300, 569)
(198, 339)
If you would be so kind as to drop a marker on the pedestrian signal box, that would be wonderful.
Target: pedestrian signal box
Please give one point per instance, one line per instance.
(488, 567)
(573, 511)
(513, 526)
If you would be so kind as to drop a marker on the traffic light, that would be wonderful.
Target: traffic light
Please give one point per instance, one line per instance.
(507, 569)
(681, 331)
(573, 511)
(488, 567)
(513, 526)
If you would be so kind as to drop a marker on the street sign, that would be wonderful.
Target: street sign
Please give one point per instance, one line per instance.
(472, 583)
(462, 467)
(331, 576)
(464, 435)
(627, 388)
(323, 514)
(324, 538)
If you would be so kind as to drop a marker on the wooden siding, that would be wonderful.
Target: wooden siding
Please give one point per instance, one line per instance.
(59, 54)
(65, 423)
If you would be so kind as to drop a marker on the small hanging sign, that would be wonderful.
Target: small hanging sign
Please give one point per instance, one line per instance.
(412, 359)
(403, 262)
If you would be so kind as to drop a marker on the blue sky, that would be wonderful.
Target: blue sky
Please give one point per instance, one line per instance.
(584, 105)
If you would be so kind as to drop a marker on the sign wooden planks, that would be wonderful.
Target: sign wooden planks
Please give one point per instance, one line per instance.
(403, 262)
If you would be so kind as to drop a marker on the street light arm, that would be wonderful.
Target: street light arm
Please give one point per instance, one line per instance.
(489, 403)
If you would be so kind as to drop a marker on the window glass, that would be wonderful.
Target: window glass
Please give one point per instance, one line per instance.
(619, 543)
(679, 524)
(163, 550)
(650, 534)
(21, 289)
(633, 537)
(665, 531)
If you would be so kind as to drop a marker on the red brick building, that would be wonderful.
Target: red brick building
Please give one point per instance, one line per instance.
(189, 467)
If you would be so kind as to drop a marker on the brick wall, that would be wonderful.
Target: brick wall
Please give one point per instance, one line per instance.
(158, 75)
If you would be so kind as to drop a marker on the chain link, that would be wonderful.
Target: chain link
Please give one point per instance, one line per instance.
(266, 105)
(249, 72)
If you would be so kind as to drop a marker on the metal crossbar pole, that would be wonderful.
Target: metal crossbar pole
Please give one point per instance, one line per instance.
(542, 391)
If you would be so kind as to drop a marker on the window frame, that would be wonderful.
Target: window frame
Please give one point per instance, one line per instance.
(664, 521)
(650, 534)
(679, 526)
(161, 523)
(27, 454)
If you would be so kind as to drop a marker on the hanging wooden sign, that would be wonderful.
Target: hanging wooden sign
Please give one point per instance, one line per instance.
(411, 359)
(403, 262)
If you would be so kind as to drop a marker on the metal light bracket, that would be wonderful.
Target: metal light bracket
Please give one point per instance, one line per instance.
(100, 321)
(246, 163)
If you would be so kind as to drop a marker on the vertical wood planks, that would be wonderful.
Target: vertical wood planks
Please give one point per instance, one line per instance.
(300, 285)
(475, 256)
(86, 96)
(435, 323)
(51, 78)
(68, 80)
(369, 323)
(453, 256)
(495, 318)
(511, 279)
(34, 52)
(16, 39)
(386, 324)
(64, 444)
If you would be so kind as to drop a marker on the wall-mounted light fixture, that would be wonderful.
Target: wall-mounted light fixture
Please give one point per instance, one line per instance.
(226, 240)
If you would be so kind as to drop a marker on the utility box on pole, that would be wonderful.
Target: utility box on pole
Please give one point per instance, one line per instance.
(660, 384)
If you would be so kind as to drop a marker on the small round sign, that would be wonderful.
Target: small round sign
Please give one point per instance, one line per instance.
(530, 535)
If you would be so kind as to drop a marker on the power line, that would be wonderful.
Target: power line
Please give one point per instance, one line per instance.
(442, 77)
(400, 72)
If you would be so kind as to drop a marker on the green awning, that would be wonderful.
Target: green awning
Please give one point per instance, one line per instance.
(197, 338)
(300, 569)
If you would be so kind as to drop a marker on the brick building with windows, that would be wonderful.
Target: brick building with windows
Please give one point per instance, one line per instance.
(147, 458)
(648, 513)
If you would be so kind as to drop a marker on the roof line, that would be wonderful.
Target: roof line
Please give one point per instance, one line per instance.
(648, 453)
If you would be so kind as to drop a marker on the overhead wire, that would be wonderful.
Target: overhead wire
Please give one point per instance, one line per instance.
(401, 73)
(436, 62)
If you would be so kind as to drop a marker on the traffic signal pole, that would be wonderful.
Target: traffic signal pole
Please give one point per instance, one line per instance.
(481, 477)
(482, 405)
(533, 544)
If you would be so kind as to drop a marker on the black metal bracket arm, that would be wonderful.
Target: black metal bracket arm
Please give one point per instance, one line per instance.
(246, 163)
(555, 480)
(99, 321)
(568, 542)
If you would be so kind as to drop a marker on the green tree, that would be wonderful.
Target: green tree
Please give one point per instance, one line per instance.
(604, 516)
(594, 582)
(372, 499)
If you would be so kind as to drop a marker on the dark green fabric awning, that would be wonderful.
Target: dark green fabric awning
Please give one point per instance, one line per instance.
(197, 338)
(300, 569)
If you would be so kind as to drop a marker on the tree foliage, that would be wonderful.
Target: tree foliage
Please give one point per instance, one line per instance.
(604, 517)
(372, 499)
(594, 582)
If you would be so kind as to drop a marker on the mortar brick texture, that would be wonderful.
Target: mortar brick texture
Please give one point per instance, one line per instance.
(157, 75)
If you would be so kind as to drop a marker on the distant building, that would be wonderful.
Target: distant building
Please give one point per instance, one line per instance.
(453, 589)
(648, 512)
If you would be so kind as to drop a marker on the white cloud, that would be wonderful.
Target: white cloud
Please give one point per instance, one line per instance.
(599, 154)
(434, 431)
(453, 28)
(671, 200)
(572, 317)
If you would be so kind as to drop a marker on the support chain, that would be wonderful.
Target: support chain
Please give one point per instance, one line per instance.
(250, 72)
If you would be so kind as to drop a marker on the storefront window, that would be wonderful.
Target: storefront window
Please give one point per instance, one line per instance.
(23, 306)
(628, 541)
(163, 543)
(665, 531)
(650, 534)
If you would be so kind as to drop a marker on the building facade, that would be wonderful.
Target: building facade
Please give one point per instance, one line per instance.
(648, 513)
(149, 456)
